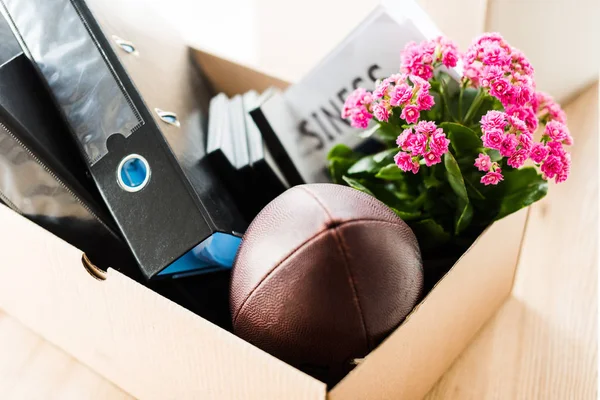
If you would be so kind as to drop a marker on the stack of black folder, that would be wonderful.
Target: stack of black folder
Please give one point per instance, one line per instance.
(238, 152)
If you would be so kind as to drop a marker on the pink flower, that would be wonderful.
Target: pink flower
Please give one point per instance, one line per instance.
(483, 162)
(525, 140)
(357, 108)
(493, 139)
(539, 152)
(490, 62)
(556, 149)
(421, 59)
(551, 167)
(419, 144)
(381, 111)
(509, 145)
(401, 141)
(563, 174)
(382, 88)
(517, 124)
(438, 143)
(500, 87)
(494, 54)
(556, 131)
(426, 127)
(492, 177)
(424, 100)
(547, 109)
(423, 71)
(431, 158)
(420, 83)
(410, 114)
(406, 163)
(493, 120)
(518, 158)
(360, 118)
(523, 95)
(525, 114)
(400, 95)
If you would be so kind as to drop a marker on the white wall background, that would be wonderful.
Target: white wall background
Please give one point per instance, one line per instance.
(286, 38)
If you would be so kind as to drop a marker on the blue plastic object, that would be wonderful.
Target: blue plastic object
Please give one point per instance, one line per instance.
(214, 253)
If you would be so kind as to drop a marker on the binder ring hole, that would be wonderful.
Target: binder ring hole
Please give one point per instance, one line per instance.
(94, 271)
(133, 173)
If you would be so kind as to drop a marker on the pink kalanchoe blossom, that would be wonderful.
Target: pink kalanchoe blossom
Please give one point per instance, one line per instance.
(432, 158)
(547, 109)
(563, 174)
(439, 142)
(424, 100)
(410, 114)
(526, 140)
(406, 163)
(509, 145)
(381, 88)
(557, 131)
(401, 95)
(426, 127)
(493, 139)
(525, 114)
(421, 59)
(493, 120)
(518, 158)
(491, 63)
(381, 111)
(423, 140)
(552, 166)
(483, 162)
(401, 141)
(418, 146)
(492, 177)
(538, 153)
(358, 107)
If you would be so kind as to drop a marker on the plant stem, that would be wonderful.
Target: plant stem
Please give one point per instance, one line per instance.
(474, 106)
(444, 94)
(460, 103)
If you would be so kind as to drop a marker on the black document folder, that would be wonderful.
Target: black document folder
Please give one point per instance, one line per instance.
(133, 102)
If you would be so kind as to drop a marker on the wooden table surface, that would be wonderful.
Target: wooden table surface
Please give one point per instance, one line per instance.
(542, 344)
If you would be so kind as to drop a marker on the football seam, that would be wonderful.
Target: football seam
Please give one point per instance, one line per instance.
(340, 244)
(297, 249)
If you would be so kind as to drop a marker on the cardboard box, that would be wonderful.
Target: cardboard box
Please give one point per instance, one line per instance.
(155, 349)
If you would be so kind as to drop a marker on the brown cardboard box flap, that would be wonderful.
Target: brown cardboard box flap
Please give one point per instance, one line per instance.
(410, 361)
(155, 349)
(144, 343)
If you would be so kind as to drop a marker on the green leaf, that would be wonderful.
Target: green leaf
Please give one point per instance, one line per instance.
(371, 164)
(369, 132)
(353, 183)
(388, 131)
(341, 151)
(390, 172)
(494, 155)
(429, 233)
(455, 178)
(338, 167)
(463, 140)
(522, 187)
(473, 190)
(407, 215)
(464, 219)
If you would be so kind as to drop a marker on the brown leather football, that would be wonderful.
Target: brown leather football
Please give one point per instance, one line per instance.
(324, 274)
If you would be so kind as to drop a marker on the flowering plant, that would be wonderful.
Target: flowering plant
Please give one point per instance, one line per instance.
(459, 154)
